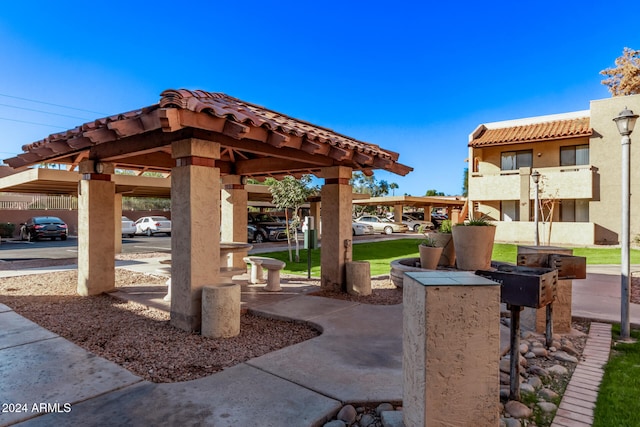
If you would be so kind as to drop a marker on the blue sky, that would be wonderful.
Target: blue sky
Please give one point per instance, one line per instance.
(412, 77)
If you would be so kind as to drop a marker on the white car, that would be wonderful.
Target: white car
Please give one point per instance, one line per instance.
(151, 225)
(383, 225)
(360, 229)
(128, 227)
(415, 224)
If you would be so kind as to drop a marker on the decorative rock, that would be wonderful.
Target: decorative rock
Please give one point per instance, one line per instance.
(335, 423)
(537, 344)
(391, 418)
(540, 351)
(558, 370)
(547, 407)
(505, 365)
(511, 422)
(570, 350)
(366, 420)
(535, 382)
(548, 394)
(529, 355)
(504, 393)
(384, 407)
(564, 357)
(538, 371)
(347, 414)
(523, 348)
(527, 389)
(552, 349)
(517, 409)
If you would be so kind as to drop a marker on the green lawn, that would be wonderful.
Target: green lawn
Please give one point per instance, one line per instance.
(380, 254)
(619, 394)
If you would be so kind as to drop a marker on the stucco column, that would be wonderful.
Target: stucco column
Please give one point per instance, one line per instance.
(195, 231)
(525, 193)
(336, 196)
(397, 213)
(117, 222)
(234, 217)
(96, 248)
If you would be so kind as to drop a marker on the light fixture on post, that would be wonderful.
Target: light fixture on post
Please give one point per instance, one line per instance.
(625, 121)
(536, 179)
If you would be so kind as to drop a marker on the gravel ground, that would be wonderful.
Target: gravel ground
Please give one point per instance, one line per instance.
(141, 339)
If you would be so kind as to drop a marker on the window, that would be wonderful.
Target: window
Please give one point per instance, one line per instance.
(510, 210)
(574, 155)
(514, 160)
(574, 210)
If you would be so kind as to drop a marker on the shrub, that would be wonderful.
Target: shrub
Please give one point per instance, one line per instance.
(7, 229)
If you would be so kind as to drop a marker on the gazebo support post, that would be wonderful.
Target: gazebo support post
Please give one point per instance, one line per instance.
(234, 212)
(96, 245)
(195, 243)
(336, 221)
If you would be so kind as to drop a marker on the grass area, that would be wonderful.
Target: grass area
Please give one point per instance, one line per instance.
(618, 401)
(381, 253)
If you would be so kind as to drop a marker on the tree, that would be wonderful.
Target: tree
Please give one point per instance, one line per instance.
(465, 182)
(624, 78)
(393, 186)
(430, 193)
(291, 193)
(364, 184)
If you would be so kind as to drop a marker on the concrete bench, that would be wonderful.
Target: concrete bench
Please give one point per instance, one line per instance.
(273, 267)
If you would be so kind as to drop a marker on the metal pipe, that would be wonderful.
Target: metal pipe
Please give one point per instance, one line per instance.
(624, 241)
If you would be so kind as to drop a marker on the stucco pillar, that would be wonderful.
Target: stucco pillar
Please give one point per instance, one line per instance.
(195, 228)
(336, 196)
(525, 193)
(96, 248)
(234, 217)
(117, 222)
(445, 315)
(397, 213)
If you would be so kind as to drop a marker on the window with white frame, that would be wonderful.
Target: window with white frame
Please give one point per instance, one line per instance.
(509, 210)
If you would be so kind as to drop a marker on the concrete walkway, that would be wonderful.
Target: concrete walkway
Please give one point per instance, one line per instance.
(358, 358)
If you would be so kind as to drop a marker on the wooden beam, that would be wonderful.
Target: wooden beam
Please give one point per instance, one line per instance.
(138, 144)
(203, 121)
(269, 165)
(340, 154)
(235, 130)
(312, 147)
(362, 158)
(158, 159)
(277, 139)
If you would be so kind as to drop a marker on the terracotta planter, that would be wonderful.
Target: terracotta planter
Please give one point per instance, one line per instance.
(445, 241)
(429, 257)
(474, 245)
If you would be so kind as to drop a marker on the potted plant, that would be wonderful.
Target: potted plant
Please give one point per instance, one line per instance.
(444, 240)
(473, 241)
(429, 253)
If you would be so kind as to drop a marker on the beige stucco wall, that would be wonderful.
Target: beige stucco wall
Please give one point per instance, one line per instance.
(606, 155)
(446, 314)
(559, 233)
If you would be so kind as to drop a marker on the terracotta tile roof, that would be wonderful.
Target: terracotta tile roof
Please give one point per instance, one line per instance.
(545, 131)
(225, 106)
(240, 122)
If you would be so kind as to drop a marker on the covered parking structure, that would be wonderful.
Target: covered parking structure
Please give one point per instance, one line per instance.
(208, 143)
(455, 205)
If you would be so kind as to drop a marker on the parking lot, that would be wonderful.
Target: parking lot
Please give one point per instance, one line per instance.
(16, 249)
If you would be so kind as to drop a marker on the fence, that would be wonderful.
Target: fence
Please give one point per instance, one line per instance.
(38, 201)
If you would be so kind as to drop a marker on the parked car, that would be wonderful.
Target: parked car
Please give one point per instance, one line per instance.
(38, 227)
(360, 228)
(437, 218)
(268, 228)
(383, 225)
(151, 225)
(253, 235)
(128, 227)
(415, 224)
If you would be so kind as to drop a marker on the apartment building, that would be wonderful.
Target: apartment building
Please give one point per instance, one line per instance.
(579, 158)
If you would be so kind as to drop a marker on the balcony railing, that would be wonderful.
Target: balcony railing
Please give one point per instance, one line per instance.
(562, 182)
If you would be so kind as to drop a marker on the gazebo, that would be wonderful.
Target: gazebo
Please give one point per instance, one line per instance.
(209, 143)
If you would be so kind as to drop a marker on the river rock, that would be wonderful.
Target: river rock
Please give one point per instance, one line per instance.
(564, 357)
(548, 394)
(347, 414)
(517, 409)
(558, 370)
(547, 407)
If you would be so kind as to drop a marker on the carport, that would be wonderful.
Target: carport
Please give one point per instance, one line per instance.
(208, 143)
(455, 205)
